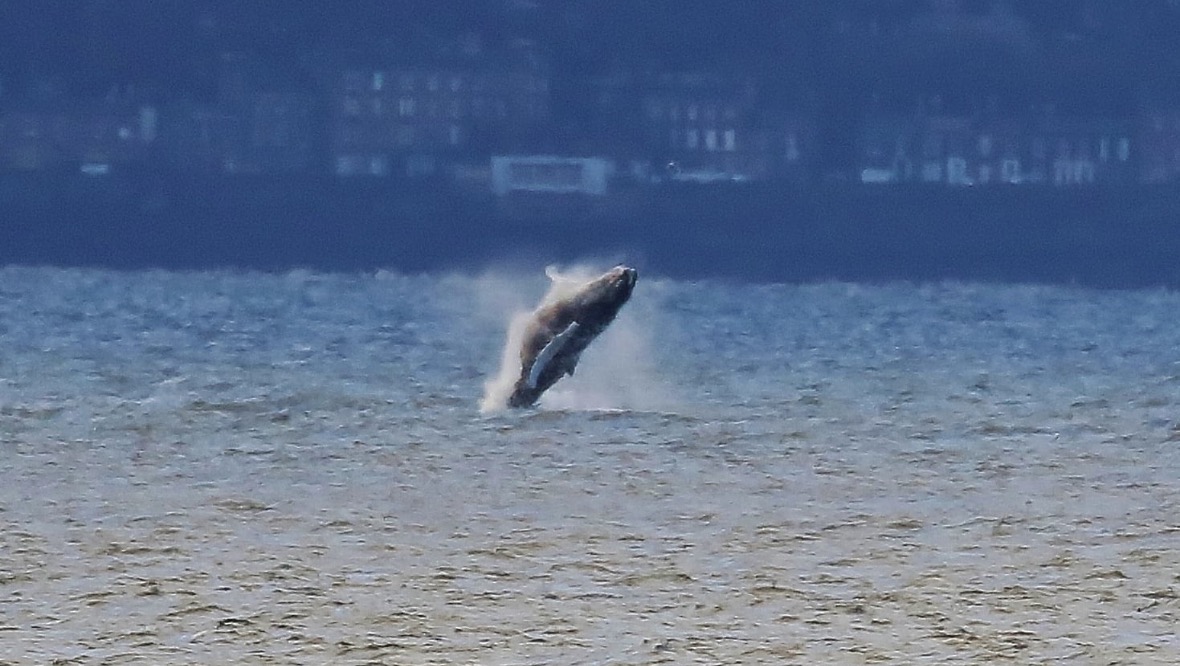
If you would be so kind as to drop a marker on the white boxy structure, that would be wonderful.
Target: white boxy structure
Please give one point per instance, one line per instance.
(549, 173)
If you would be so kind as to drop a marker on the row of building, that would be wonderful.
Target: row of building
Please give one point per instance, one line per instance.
(469, 119)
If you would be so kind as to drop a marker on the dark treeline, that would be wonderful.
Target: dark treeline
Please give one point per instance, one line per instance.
(1084, 52)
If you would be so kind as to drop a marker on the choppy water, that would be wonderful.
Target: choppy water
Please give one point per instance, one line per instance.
(253, 468)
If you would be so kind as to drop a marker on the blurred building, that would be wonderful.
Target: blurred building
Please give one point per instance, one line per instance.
(94, 136)
(1085, 150)
(550, 174)
(258, 124)
(701, 126)
(991, 150)
(707, 126)
(413, 120)
(1159, 146)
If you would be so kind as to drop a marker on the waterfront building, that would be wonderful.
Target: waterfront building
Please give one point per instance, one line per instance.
(416, 119)
(94, 136)
(996, 150)
(1159, 146)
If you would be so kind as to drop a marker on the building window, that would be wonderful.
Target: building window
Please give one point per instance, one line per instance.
(347, 165)
(692, 112)
(405, 107)
(1062, 172)
(1124, 149)
(792, 147)
(692, 140)
(956, 171)
(711, 139)
(730, 140)
(1104, 149)
(985, 145)
(378, 81)
(406, 81)
(1010, 171)
(352, 106)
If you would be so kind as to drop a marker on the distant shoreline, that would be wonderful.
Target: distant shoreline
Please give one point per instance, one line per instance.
(1100, 236)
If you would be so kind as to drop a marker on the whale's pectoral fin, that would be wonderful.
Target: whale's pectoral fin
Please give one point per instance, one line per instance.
(550, 350)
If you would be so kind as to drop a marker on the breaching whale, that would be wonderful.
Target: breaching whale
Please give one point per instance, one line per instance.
(560, 331)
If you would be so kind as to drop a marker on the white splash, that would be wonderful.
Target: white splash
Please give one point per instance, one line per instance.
(498, 389)
(618, 370)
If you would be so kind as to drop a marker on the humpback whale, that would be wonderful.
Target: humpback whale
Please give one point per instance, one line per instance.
(560, 331)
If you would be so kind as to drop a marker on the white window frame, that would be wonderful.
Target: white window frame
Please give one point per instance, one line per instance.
(1010, 170)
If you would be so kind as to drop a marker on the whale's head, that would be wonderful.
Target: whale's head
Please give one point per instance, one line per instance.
(620, 280)
(610, 290)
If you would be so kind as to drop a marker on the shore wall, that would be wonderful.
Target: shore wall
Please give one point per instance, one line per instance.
(1104, 237)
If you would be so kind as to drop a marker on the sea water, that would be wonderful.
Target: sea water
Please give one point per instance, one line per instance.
(227, 467)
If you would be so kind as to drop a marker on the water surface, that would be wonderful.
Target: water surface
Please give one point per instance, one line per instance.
(218, 467)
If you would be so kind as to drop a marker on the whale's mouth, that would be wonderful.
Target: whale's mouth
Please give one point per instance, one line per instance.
(623, 278)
